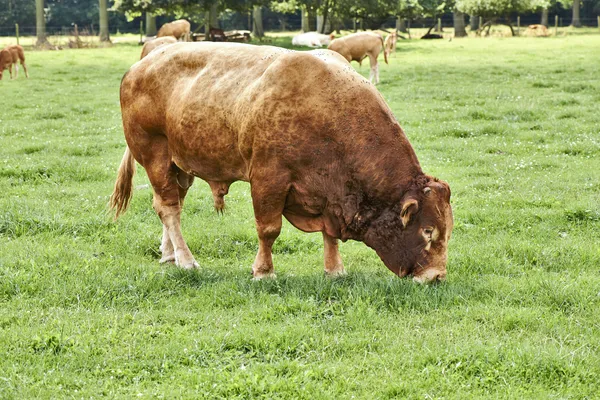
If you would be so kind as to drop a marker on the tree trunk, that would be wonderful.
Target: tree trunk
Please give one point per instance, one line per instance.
(320, 23)
(257, 29)
(150, 24)
(400, 25)
(408, 28)
(474, 22)
(305, 20)
(459, 24)
(576, 22)
(103, 8)
(544, 20)
(212, 20)
(40, 23)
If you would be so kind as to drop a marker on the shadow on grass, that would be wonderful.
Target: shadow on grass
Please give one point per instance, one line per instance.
(372, 289)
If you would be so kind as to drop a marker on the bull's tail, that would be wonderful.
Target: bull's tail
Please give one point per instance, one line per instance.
(122, 193)
(384, 50)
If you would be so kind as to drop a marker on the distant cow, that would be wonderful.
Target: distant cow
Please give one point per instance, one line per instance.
(358, 46)
(12, 55)
(312, 39)
(216, 35)
(158, 42)
(179, 29)
(389, 45)
(537, 30)
(229, 112)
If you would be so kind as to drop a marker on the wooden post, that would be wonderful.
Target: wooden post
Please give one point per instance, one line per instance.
(556, 25)
(481, 23)
(598, 21)
(141, 32)
(518, 25)
(17, 31)
(439, 28)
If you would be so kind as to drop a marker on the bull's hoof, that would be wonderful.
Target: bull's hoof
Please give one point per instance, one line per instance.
(188, 265)
(259, 276)
(167, 258)
(335, 273)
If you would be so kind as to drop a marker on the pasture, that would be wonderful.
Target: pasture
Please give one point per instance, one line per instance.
(87, 311)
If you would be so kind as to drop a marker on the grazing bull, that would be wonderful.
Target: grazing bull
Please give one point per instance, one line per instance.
(12, 55)
(155, 43)
(358, 46)
(227, 112)
(389, 45)
(179, 29)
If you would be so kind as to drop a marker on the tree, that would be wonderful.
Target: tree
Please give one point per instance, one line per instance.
(40, 23)
(103, 10)
(495, 10)
(150, 24)
(576, 22)
(459, 24)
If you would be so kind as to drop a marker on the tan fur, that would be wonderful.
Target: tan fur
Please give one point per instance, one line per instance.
(158, 42)
(537, 30)
(358, 46)
(226, 112)
(119, 201)
(179, 29)
(389, 45)
(10, 56)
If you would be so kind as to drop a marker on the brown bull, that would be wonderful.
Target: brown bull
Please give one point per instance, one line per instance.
(154, 43)
(12, 55)
(227, 112)
(358, 46)
(179, 29)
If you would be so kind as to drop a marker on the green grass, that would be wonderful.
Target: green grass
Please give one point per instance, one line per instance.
(86, 310)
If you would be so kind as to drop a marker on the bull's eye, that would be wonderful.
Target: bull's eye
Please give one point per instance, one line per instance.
(428, 231)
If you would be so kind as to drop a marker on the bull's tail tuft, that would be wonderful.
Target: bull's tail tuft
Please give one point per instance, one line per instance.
(119, 200)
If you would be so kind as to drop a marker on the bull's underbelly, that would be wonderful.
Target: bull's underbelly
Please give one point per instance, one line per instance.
(209, 156)
(204, 145)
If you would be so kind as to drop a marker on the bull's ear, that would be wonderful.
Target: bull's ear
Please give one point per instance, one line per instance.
(409, 207)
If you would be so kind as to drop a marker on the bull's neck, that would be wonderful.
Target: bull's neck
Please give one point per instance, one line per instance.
(380, 170)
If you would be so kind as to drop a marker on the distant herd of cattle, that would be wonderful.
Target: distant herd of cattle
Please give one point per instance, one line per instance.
(354, 47)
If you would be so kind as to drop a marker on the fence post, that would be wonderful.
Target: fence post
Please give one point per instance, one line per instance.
(439, 28)
(481, 23)
(598, 21)
(141, 32)
(17, 32)
(556, 25)
(518, 25)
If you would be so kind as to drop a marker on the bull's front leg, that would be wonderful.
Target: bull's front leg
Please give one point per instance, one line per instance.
(331, 254)
(268, 200)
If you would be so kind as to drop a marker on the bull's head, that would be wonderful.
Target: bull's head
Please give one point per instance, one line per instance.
(412, 238)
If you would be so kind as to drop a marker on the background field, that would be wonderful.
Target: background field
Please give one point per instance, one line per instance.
(86, 310)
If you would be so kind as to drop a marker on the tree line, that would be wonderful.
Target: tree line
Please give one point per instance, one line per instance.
(320, 15)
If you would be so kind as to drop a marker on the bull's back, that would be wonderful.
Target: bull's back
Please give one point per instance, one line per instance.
(221, 104)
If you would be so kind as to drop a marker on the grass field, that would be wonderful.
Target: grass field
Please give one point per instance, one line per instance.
(86, 311)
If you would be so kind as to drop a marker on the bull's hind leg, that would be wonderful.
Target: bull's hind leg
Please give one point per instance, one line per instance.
(167, 249)
(332, 258)
(153, 152)
(268, 199)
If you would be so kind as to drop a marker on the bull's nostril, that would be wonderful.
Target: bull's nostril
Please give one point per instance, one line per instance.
(440, 277)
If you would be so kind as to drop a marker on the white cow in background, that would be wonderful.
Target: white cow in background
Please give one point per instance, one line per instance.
(312, 39)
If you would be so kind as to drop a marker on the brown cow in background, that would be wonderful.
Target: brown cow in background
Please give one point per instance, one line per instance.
(12, 55)
(229, 112)
(158, 42)
(358, 46)
(179, 29)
